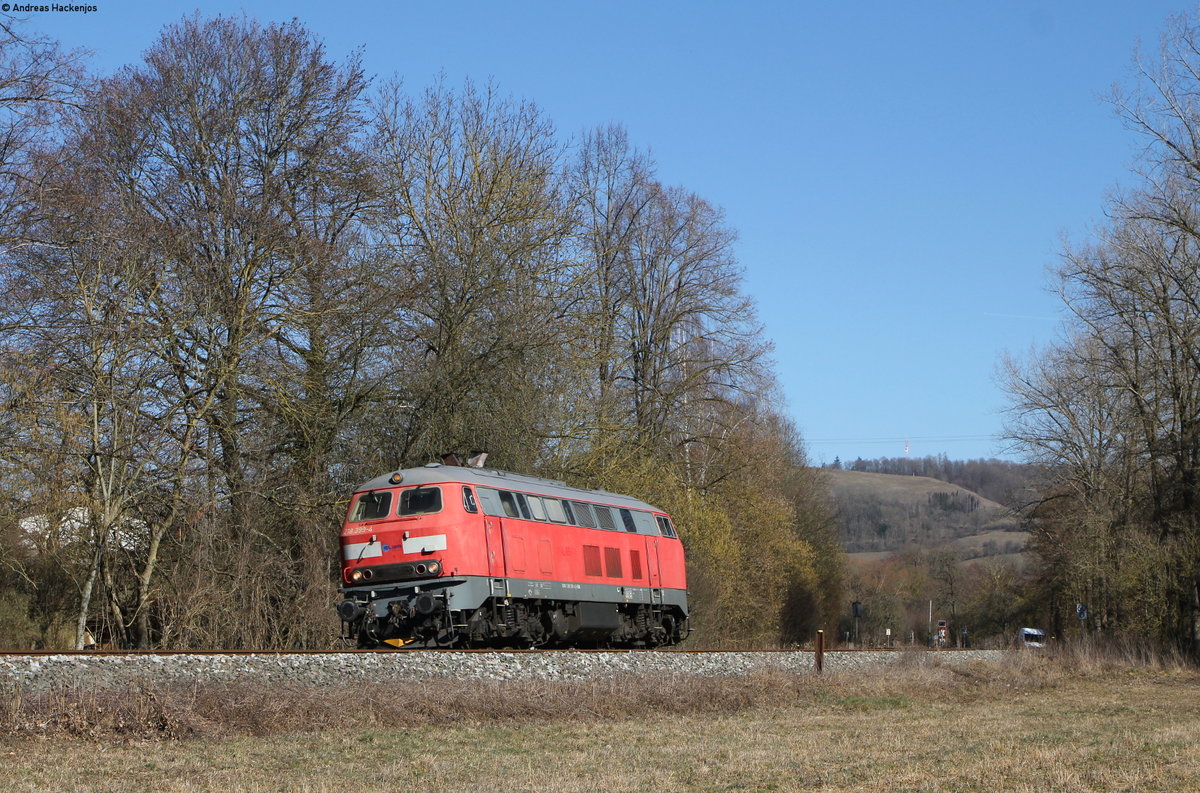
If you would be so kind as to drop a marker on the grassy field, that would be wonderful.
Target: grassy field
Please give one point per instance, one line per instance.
(1032, 724)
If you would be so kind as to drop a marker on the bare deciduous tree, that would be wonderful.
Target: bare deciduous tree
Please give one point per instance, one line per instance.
(1116, 408)
(473, 222)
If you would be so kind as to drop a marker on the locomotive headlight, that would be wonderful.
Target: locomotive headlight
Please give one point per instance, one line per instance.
(434, 567)
(356, 576)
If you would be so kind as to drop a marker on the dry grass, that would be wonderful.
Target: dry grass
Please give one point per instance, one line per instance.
(217, 711)
(1036, 723)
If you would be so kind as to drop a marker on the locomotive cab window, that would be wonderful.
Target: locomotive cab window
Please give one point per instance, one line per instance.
(665, 527)
(421, 501)
(469, 500)
(372, 506)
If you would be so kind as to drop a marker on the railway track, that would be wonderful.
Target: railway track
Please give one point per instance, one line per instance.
(478, 651)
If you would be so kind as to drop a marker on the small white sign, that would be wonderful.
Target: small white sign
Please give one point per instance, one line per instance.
(434, 542)
(352, 551)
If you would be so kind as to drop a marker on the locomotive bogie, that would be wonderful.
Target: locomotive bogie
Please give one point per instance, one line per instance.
(472, 611)
(450, 556)
(524, 624)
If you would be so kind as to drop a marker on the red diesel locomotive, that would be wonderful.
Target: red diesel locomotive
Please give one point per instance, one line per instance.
(454, 556)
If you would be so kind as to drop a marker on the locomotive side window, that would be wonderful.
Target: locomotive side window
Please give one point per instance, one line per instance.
(372, 506)
(644, 522)
(490, 499)
(536, 507)
(554, 510)
(583, 514)
(604, 517)
(627, 520)
(524, 505)
(509, 502)
(420, 501)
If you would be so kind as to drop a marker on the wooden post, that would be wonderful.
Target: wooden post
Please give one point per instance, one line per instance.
(819, 657)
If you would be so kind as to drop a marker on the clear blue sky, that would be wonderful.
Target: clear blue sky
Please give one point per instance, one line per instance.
(901, 173)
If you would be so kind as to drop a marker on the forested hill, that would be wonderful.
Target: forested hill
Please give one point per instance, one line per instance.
(887, 512)
(1002, 481)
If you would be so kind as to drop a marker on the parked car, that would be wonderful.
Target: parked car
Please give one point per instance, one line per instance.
(1031, 637)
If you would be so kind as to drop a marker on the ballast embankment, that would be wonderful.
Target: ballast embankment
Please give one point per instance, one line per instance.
(115, 671)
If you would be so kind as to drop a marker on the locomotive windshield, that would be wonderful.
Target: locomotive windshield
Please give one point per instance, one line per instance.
(372, 506)
(420, 500)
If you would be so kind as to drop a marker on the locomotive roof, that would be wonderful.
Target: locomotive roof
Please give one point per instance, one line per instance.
(437, 473)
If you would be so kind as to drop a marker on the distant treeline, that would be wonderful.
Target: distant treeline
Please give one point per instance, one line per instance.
(1002, 481)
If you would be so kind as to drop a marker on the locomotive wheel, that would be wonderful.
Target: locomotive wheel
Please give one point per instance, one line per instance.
(670, 630)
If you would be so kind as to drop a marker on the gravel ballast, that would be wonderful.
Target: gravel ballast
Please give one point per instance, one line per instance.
(46, 672)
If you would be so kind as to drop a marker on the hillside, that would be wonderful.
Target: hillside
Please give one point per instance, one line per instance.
(1003, 481)
(883, 513)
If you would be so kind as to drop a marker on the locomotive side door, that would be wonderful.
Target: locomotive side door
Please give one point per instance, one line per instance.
(512, 533)
(643, 523)
(665, 529)
(493, 531)
(493, 557)
(652, 561)
(495, 546)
